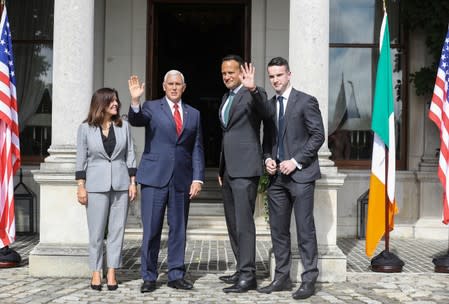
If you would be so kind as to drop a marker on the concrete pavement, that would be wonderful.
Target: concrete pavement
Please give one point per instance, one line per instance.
(206, 260)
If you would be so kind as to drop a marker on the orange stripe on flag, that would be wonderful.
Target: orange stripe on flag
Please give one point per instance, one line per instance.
(375, 226)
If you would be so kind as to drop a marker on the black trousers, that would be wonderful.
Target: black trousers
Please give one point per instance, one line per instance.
(239, 195)
(284, 195)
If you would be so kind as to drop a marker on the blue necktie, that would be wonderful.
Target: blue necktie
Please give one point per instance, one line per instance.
(228, 108)
(280, 129)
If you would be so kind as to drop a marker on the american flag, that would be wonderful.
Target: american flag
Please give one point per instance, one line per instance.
(9, 135)
(439, 114)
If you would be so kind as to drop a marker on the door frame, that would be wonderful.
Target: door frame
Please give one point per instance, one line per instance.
(152, 39)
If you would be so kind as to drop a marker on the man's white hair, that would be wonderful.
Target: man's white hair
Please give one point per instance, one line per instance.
(174, 72)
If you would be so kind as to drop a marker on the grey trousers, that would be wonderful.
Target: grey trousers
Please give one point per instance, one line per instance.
(110, 207)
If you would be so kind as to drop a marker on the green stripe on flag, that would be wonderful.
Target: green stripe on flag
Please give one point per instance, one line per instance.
(383, 94)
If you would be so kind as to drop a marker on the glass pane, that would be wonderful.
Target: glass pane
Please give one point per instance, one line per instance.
(352, 76)
(31, 19)
(33, 69)
(351, 80)
(359, 21)
(35, 141)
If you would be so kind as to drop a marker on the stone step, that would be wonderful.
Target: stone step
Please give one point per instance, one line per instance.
(217, 231)
(206, 208)
(206, 221)
(209, 187)
(206, 215)
(209, 194)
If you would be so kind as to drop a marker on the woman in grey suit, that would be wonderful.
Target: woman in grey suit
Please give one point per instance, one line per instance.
(105, 172)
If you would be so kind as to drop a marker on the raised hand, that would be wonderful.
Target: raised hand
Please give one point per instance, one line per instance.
(136, 88)
(247, 76)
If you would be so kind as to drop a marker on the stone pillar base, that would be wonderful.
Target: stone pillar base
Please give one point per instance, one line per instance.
(429, 224)
(63, 240)
(430, 228)
(56, 260)
(331, 260)
(331, 264)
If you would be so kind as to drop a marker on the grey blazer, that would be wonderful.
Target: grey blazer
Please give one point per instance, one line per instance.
(102, 171)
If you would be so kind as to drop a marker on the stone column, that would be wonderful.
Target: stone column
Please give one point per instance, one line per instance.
(423, 147)
(309, 63)
(62, 248)
(429, 223)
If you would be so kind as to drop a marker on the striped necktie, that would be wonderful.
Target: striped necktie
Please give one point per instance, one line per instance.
(178, 120)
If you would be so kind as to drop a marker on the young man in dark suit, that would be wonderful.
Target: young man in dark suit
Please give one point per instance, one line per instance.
(291, 144)
(242, 109)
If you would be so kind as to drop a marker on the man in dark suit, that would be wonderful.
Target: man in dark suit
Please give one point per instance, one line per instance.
(171, 173)
(242, 109)
(291, 144)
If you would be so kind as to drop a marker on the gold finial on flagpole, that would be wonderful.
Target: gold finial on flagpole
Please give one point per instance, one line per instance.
(385, 6)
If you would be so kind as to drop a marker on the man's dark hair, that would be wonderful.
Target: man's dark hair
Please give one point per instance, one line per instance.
(279, 61)
(232, 57)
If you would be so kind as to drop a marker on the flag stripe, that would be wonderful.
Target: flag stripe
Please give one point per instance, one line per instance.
(438, 113)
(9, 134)
(384, 142)
(391, 185)
(376, 219)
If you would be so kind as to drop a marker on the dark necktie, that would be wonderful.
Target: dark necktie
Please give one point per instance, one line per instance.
(228, 108)
(280, 129)
(178, 120)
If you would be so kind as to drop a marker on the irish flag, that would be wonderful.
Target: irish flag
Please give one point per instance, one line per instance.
(384, 142)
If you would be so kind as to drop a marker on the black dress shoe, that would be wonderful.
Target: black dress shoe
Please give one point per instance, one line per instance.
(112, 287)
(95, 287)
(277, 285)
(180, 284)
(242, 286)
(148, 286)
(304, 291)
(230, 279)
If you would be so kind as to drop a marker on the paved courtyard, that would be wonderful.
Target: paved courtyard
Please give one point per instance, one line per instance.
(206, 260)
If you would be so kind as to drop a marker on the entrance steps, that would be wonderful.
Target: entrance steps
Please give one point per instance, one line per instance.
(206, 216)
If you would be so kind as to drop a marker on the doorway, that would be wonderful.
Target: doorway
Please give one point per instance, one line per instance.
(192, 37)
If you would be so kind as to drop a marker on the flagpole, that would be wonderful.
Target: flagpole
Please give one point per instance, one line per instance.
(387, 202)
(386, 261)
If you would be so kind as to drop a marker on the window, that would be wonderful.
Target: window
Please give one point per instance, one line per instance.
(354, 51)
(31, 24)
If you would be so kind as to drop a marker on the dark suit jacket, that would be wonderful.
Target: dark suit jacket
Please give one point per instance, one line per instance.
(165, 154)
(241, 151)
(303, 135)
